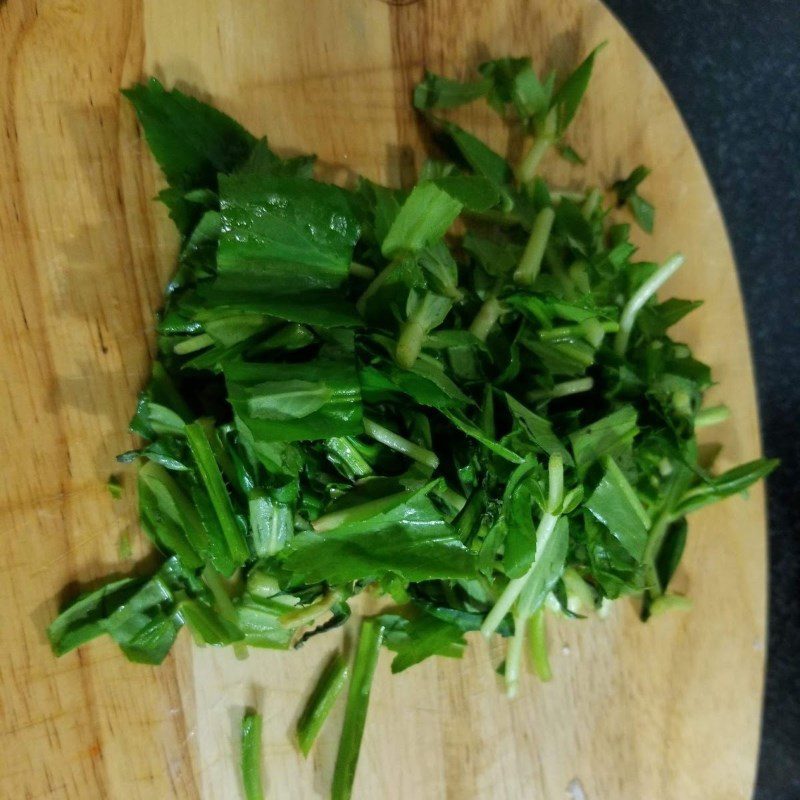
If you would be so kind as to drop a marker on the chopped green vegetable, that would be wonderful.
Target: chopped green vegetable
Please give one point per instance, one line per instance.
(355, 715)
(251, 756)
(628, 193)
(321, 702)
(462, 396)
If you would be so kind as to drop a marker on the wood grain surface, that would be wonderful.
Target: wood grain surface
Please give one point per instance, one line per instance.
(663, 711)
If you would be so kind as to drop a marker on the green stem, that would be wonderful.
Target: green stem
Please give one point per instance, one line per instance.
(342, 447)
(595, 331)
(222, 599)
(676, 486)
(544, 530)
(212, 479)
(568, 194)
(321, 702)
(562, 389)
(307, 614)
(361, 270)
(452, 497)
(396, 442)
(412, 334)
(355, 715)
(531, 261)
(251, 756)
(555, 265)
(573, 331)
(487, 316)
(580, 596)
(555, 482)
(711, 416)
(376, 284)
(537, 638)
(193, 344)
(541, 144)
(641, 296)
(516, 585)
(328, 522)
(514, 657)
(578, 273)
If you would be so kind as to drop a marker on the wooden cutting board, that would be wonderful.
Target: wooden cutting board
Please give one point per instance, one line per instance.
(667, 710)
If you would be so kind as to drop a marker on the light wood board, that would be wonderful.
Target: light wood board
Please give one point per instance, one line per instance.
(663, 711)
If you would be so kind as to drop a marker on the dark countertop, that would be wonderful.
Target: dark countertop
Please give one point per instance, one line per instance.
(733, 67)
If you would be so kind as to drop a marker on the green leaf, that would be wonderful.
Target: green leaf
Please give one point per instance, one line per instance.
(191, 141)
(615, 503)
(538, 429)
(420, 638)
(411, 540)
(643, 212)
(423, 218)
(519, 495)
(244, 293)
(289, 402)
(207, 625)
(259, 621)
(569, 154)
(161, 517)
(608, 436)
(514, 81)
(287, 235)
(82, 620)
(569, 95)
(210, 474)
(734, 481)
(626, 187)
(496, 256)
(441, 270)
(434, 91)
(291, 399)
(473, 431)
(176, 514)
(655, 320)
(627, 192)
(669, 556)
(547, 568)
(475, 193)
(479, 156)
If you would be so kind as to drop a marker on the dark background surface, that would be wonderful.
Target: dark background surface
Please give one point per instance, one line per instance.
(733, 67)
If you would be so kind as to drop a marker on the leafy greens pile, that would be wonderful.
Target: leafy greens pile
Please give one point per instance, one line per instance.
(461, 396)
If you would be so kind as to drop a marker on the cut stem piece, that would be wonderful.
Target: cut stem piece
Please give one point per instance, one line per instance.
(711, 416)
(212, 479)
(251, 756)
(537, 646)
(514, 657)
(641, 296)
(531, 260)
(396, 442)
(486, 318)
(544, 531)
(193, 344)
(562, 389)
(526, 171)
(321, 702)
(361, 270)
(355, 715)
